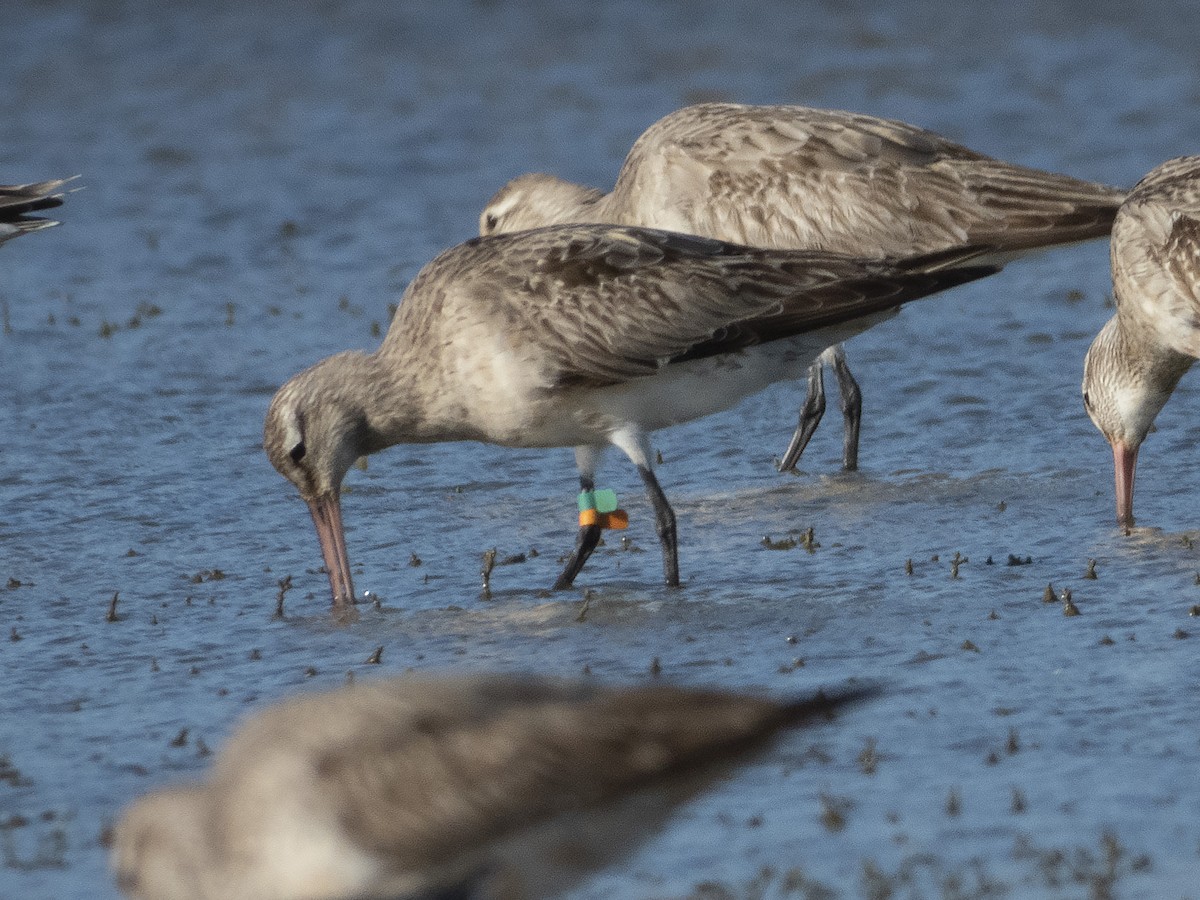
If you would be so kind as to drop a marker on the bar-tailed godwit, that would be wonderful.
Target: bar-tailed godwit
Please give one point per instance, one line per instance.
(1140, 354)
(579, 336)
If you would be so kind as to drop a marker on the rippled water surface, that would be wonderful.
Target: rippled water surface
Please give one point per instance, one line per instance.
(260, 181)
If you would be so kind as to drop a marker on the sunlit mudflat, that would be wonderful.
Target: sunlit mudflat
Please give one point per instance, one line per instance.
(260, 183)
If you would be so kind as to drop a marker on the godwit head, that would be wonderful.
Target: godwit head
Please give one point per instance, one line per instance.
(314, 433)
(534, 200)
(1123, 391)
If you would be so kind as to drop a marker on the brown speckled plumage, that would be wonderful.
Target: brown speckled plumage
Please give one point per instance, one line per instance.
(793, 177)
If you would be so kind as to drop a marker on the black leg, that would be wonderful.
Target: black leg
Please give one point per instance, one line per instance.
(585, 543)
(851, 410)
(810, 417)
(664, 521)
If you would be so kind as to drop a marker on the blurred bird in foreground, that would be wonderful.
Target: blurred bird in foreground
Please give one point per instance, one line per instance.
(478, 786)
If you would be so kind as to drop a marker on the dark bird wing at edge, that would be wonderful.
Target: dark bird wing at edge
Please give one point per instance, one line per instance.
(18, 200)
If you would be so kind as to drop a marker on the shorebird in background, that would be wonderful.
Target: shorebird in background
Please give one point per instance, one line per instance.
(18, 200)
(579, 336)
(517, 787)
(796, 178)
(1140, 354)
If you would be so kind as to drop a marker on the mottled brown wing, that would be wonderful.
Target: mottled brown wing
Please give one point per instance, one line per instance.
(603, 304)
(1182, 255)
(620, 303)
(795, 177)
(837, 301)
(1181, 261)
(1175, 185)
(1156, 253)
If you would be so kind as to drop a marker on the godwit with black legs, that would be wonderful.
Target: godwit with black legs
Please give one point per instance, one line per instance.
(579, 336)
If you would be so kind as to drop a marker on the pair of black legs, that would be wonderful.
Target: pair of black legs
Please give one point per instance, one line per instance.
(814, 408)
(664, 516)
(664, 521)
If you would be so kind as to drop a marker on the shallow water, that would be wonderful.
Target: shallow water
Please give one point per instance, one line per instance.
(260, 181)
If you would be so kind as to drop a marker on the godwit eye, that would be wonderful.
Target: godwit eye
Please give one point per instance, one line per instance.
(491, 221)
(1087, 401)
(298, 452)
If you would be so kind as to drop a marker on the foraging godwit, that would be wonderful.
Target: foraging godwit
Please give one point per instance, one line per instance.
(1140, 354)
(578, 336)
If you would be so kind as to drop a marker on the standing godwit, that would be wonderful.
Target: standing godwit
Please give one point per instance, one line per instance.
(1141, 353)
(795, 178)
(517, 787)
(18, 200)
(578, 336)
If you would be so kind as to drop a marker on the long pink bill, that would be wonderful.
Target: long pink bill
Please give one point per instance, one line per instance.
(1124, 466)
(327, 517)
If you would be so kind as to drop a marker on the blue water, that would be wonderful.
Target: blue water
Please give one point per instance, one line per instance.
(260, 181)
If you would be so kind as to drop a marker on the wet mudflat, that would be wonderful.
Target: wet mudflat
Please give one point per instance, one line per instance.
(261, 183)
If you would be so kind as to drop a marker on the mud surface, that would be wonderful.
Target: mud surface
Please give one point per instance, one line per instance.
(260, 181)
